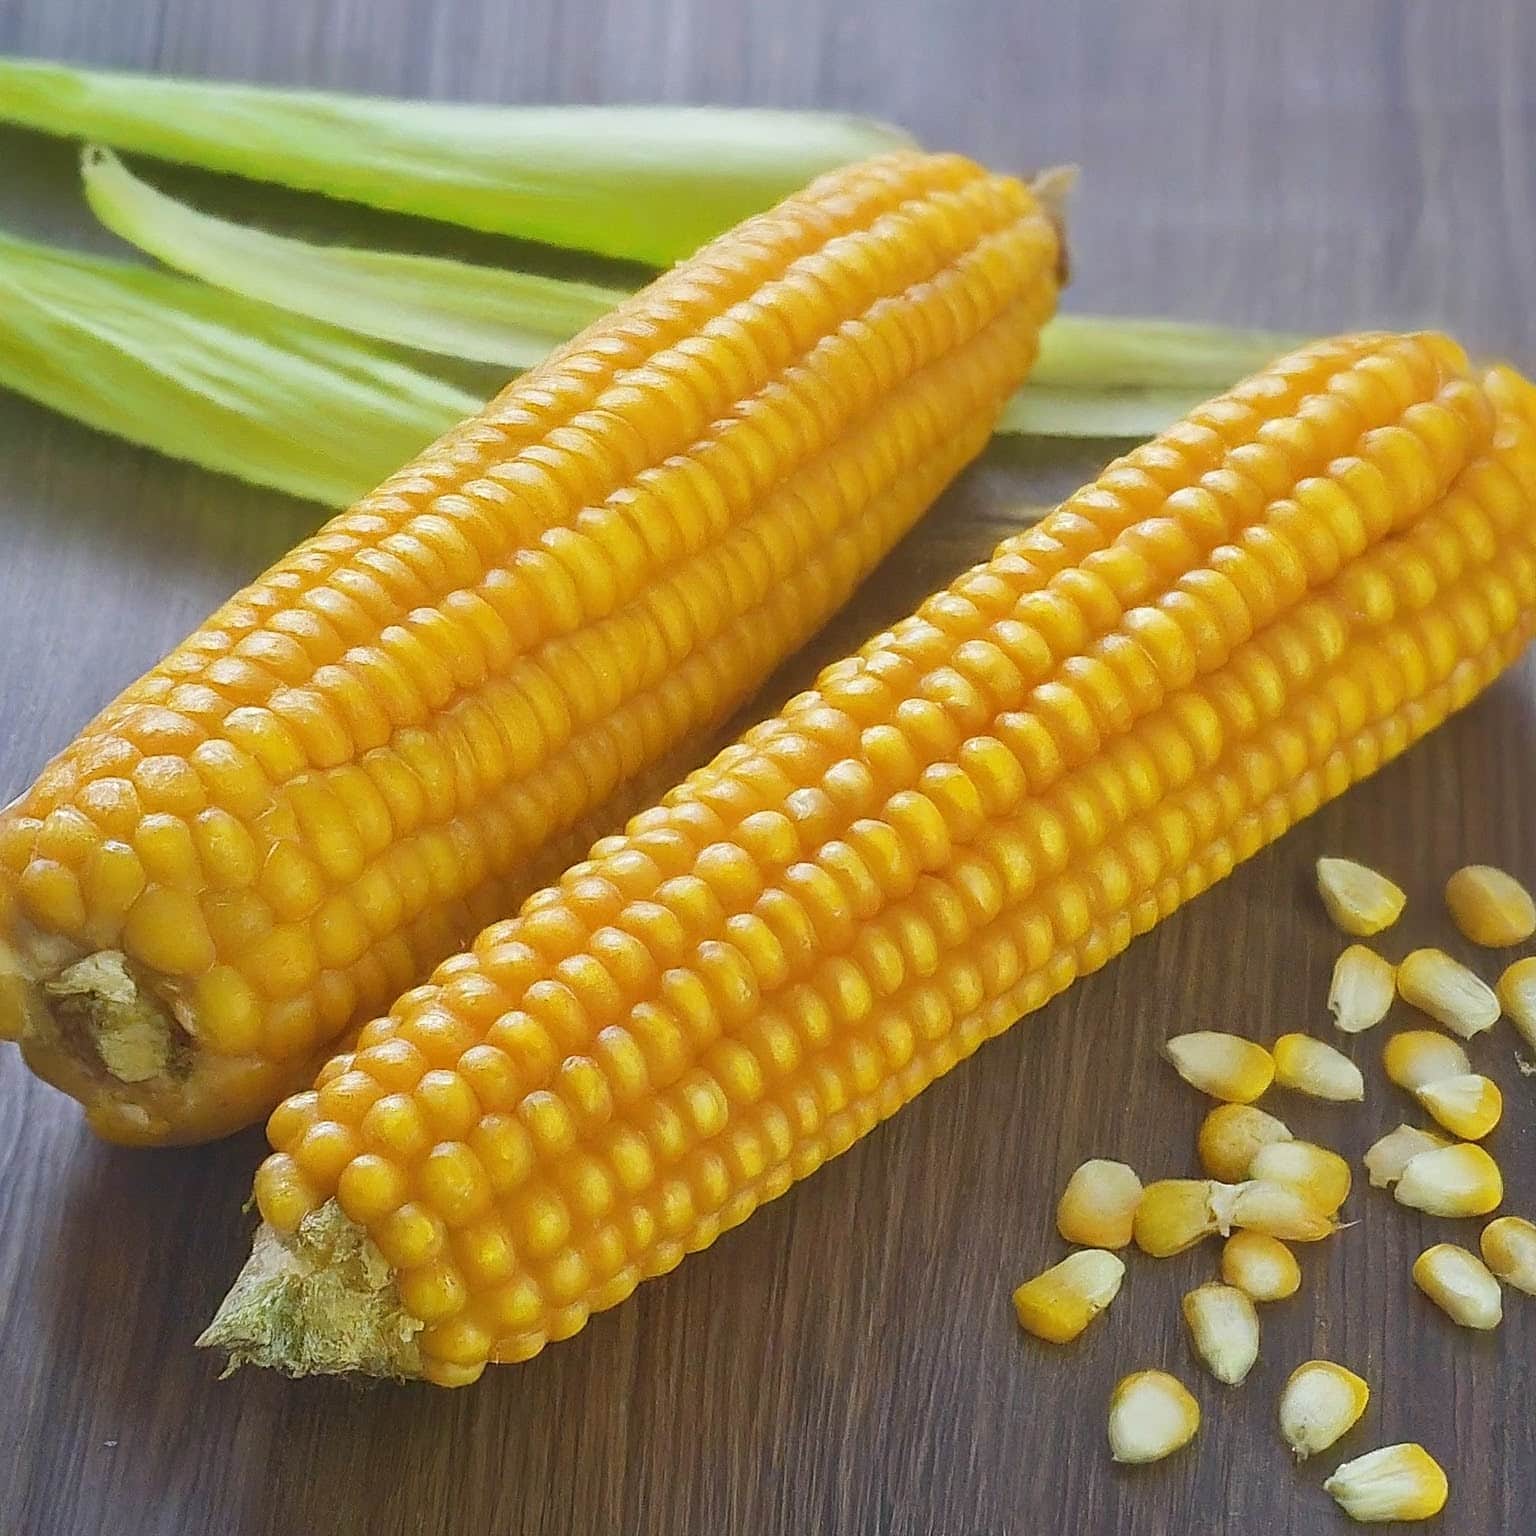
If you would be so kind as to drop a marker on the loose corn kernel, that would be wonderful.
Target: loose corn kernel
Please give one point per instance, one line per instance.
(1230, 1136)
(1151, 1415)
(1174, 1214)
(1319, 1404)
(1517, 994)
(1398, 1482)
(1227, 1067)
(1468, 1105)
(1260, 1265)
(1320, 1175)
(1490, 907)
(1448, 992)
(1386, 1158)
(1058, 1304)
(1262, 1205)
(1459, 1180)
(1098, 1206)
(1509, 1250)
(1415, 1057)
(1461, 1285)
(1224, 1328)
(1312, 1066)
(1359, 900)
(1362, 989)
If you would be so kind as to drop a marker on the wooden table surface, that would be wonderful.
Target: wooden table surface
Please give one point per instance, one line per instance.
(847, 1362)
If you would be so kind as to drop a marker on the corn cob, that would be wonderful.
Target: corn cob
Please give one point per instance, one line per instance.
(354, 764)
(1233, 624)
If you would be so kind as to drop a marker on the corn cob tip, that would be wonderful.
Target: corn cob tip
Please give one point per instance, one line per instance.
(321, 1303)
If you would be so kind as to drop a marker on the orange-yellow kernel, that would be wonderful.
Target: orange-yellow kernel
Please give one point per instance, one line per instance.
(227, 1015)
(410, 1235)
(283, 1195)
(433, 1290)
(394, 1126)
(164, 930)
(370, 1187)
(324, 1150)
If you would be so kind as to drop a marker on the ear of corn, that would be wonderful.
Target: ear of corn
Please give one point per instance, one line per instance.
(1228, 628)
(358, 761)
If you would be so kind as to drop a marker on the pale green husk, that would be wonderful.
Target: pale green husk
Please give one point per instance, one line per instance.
(650, 183)
(1095, 377)
(213, 378)
(458, 308)
(322, 1302)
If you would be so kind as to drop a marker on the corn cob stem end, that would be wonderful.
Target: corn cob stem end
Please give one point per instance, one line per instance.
(90, 1025)
(321, 1303)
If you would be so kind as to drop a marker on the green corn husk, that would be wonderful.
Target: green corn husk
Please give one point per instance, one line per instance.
(457, 308)
(647, 183)
(212, 378)
(1095, 377)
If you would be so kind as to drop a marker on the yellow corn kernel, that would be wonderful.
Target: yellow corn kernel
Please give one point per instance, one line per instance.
(1415, 1057)
(1058, 1304)
(1362, 989)
(1317, 1173)
(1174, 1214)
(396, 729)
(1386, 1157)
(1260, 1266)
(1231, 1134)
(1461, 1285)
(1308, 1065)
(1278, 1210)
(1319, 1404)
(1468, 1105)
(1151, 1415)
(1509, 1250)
(1227, 1067)
(1359, 900)
(1398, 1482)
(1459, 1180)
(1448, 992)
(1224, 1328)
(1098, 1206)
(1517, 994)
(1490, 907)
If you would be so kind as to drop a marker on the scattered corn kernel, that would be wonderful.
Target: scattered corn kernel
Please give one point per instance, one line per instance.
(1468, 1105)
(1224, 1328)
(1225, 1066)
(1260, 1265)
(1362, 989)
(1060, 1303)
(1491, 908)
(1386, 1158)
(1517, 993)
(1461, 1285)
(1174, 1214)
(1459, 1180)
(1312, 1066)
(1098, 1206)
(1419, 1056)
(1151, 1415)
(1398, 1482)
(1319, 1404)
(1231, 1134)
(1509, 1250)
(1317, 1173)
(1262, 1205)
(1359, 900)
(1448, 992)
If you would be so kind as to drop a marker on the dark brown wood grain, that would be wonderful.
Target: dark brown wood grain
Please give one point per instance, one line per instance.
(847, 1362)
